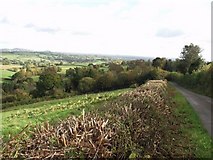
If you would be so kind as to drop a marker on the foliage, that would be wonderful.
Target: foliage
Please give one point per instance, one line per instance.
(115, 67)
(86, 84)
(159, 62)
(199, 81)
(48, 81)
(190, 58)
(105, 81)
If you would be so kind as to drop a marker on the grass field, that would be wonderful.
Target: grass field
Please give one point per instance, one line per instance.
(192, 127)
(23, 57)
(5, 74)
(64, 68)
(16, 118)
(11, 66)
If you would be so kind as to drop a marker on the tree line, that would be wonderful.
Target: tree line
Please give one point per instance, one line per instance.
(95, 78)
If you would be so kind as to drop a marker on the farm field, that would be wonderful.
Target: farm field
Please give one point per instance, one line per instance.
(15, 118)
(5, 74)
(66, 67)
(23, 57)
(11, 66)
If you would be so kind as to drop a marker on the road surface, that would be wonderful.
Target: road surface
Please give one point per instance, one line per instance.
(201, 104)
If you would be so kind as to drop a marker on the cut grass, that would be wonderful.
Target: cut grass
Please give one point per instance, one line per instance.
(16, 118)
(192, 127)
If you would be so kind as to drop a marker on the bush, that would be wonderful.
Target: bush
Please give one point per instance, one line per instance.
(199, 81)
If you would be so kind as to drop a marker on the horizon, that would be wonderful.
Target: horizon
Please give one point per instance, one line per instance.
(81, 53)
(143, 28)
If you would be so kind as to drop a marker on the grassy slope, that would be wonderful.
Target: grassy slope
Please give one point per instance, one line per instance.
(5, 74)
(16, 118)
(191, 126)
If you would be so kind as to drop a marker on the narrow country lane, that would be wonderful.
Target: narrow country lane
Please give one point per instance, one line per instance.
(201, 104)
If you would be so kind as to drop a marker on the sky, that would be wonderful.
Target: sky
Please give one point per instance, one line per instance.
(151, 28)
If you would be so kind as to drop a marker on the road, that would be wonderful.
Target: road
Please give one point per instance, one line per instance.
(201, 104)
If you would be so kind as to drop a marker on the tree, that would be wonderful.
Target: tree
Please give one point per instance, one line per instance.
(75, 75)
(86, 84)
(19, 76)
(159, 62)
(48, 81)
(168, 65)
(123, 79)
(190, 58)
(106, 81)
(115, 67)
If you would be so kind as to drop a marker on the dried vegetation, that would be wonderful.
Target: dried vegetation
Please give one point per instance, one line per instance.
(139, 124)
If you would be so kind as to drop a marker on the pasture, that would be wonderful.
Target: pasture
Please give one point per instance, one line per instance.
(5, 74)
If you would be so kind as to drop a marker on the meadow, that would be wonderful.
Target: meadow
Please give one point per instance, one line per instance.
(5, 74)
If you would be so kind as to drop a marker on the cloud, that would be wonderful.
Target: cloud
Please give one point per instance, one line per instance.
(107, 26)
(81, 33)
(4, 21)
(169, 33)
(4, 42)
(42, 29)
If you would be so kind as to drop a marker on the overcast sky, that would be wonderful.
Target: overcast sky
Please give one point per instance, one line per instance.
(119, 27)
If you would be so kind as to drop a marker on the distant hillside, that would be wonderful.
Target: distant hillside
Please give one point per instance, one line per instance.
(104, 56)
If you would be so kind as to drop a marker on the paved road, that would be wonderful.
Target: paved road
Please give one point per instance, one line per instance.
(201, 104)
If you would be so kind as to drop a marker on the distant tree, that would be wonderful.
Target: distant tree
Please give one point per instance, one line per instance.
(106, 81)
(8, 87)
(190, 58)
(168, 65)
(159, 62)
(115, 67)
(135, 63)
(6, 61)
(20, 94)
(123, 79)
(76, 74)
(86, 84)
(48, 81)
(19, 76)
(68, 85)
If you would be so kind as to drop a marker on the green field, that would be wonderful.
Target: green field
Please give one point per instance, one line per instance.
(66, 67)
(16, 118)
(5, 74)
(23, 57)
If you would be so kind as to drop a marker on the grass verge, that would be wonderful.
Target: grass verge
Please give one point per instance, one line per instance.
(191, 126)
